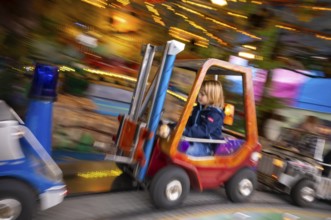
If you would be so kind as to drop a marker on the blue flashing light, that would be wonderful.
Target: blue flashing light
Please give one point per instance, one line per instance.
(44, 82)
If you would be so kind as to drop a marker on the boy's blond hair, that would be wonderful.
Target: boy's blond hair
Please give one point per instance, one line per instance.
(214, 92)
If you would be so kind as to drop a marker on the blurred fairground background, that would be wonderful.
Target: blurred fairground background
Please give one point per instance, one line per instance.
(97, 46)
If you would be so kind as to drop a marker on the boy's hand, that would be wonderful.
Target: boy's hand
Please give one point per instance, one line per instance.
(164, 131)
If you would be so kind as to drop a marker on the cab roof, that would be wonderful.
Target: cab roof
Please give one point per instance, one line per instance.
(195, 65)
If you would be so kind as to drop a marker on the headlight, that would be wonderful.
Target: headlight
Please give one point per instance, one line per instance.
(319, 167)
(278, 163)
(255, 156)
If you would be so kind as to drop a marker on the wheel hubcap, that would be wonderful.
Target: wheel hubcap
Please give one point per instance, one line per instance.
(10, 209)
(308, 194)
(174, 190)
(245, 187)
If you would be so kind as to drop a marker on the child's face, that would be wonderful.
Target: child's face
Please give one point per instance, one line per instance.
(202, 98)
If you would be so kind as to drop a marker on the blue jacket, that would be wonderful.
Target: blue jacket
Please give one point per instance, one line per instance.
(205, 123)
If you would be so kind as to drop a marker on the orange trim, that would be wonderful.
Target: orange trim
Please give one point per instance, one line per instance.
(242, 156)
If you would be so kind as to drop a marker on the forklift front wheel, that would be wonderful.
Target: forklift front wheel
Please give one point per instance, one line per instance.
(17, 200)
(303, 193)
(169, 187)
(241, 186)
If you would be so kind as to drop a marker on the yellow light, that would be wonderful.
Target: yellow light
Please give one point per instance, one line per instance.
(219, 2)
(323, 37)
(65, 68)
(201, 45)
(158, 20)
(119, 19)
(199, 5)
(179, 38)
(286, 28)
(321, 9)
(278, 163)
(249, 35)
(317, 8)
(172, 33)
(179, 31)
(99, 174)
(319, 167)
(196, 26)
(152, 9)
(237, 15)
(28, 68)
(181, 15)
(168, 7)
(257, 2)
(99, 3)
(246, 55)
(249, 47)
(124, 2)
(99, 72)
(150, 4)
(177, 96)
(190, 10)
(221, 23)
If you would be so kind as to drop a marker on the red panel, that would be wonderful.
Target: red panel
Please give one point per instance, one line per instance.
(127, 137)
(158, 161)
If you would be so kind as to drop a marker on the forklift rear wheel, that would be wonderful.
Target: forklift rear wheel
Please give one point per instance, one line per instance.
(124, 167)
(241, 186)
(17, 200)
(169, 187)
(121, 166)
(303, 193)
(122, 182)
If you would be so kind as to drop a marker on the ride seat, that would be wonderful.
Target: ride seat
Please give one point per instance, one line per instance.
(229, 147)
(221, 149)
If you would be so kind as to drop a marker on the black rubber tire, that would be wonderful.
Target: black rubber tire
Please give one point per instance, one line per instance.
(298, 190)
(232, 187)
(121, 166)
(122, 182)
(13, 189)
(125, 168)
(160, 182)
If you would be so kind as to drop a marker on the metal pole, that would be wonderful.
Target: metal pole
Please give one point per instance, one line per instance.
(141, 82)
(148, 95)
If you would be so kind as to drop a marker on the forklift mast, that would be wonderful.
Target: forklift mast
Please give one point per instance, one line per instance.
(135, 137)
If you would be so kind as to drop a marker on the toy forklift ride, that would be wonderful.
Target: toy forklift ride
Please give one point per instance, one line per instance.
(158, 163)
(29, 178)
(293, 165)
